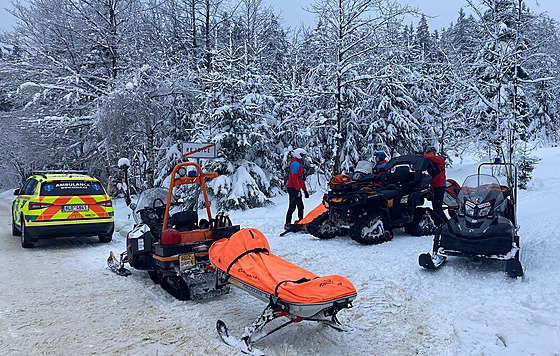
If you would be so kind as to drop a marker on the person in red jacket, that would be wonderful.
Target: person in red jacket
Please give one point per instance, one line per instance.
(296, 185)
(436, 169)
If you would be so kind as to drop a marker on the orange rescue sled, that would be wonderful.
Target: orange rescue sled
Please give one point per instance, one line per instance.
(301, 225)
(245, 261)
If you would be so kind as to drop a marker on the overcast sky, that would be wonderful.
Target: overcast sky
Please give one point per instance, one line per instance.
(293, 13)
(6, 20)
(444, 11)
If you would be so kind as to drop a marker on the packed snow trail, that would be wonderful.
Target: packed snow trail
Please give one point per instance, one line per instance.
(60, 297)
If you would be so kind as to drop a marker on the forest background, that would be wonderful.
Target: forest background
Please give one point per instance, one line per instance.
(85, 83)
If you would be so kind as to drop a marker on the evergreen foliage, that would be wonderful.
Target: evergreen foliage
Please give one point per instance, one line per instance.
(86, 83)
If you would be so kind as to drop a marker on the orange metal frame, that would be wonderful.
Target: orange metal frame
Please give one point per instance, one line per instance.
(199, 179)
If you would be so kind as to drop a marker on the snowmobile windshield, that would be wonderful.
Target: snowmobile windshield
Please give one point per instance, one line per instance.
(151, 198)
(362, 169)
(479, 194)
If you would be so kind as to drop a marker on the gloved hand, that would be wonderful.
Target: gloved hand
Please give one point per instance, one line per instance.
(305, 194)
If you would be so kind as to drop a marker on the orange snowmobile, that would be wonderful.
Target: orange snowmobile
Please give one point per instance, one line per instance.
(245, 261)
(170, 243)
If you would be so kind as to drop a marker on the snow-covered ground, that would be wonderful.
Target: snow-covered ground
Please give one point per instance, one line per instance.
(60, 297)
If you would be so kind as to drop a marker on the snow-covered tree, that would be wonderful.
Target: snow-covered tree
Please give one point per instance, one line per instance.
(348, 31)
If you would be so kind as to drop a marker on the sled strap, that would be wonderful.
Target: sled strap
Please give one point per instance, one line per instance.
(301, 280)
(255, 250)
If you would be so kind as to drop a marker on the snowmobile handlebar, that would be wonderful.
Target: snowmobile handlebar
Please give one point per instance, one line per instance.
(511, 176)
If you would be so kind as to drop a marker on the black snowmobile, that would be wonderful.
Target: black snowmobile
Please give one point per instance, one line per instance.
(171, 244)
(484, 225)
(368, 206)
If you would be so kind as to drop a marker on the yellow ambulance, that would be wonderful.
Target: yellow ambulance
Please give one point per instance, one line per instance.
(61, 204)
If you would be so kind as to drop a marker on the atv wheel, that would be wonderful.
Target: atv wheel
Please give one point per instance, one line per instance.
(422, 224)
(176, 286)
(15, 230)
(370, 232)
(25, 241)
(322, 228)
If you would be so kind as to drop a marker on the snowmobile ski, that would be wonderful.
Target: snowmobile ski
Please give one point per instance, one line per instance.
(514, 268)
(427, 261)
(117, 267)
(241, 344)
(291, 228)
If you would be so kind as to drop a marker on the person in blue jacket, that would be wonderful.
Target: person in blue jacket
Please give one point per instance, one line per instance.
(296, 185)
(380, 162)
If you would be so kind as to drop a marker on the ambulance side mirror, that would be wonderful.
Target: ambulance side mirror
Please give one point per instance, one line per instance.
(16, 191)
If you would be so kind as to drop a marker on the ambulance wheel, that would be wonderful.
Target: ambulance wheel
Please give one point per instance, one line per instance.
(25, 241)
(106, 237)
(15, 230)
(370, 231)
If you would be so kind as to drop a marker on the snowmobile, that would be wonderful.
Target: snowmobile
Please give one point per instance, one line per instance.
(484, 225)
(245, 261)
(170, 243)
(368, 206)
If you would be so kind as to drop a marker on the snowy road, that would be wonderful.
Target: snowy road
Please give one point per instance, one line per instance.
(59, 298)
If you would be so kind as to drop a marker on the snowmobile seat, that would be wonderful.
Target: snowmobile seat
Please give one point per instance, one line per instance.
(422, 180)
(400, 176)
(184, 220)
(390, 192)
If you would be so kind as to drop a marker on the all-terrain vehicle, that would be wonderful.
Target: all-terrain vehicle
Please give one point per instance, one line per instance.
(170, 243)
(368, 206)
(484, 225)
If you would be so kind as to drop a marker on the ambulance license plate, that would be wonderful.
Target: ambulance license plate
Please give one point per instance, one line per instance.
(186, 260)
(68, 208)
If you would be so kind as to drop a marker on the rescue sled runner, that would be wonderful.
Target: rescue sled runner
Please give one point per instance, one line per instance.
(245, 261)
